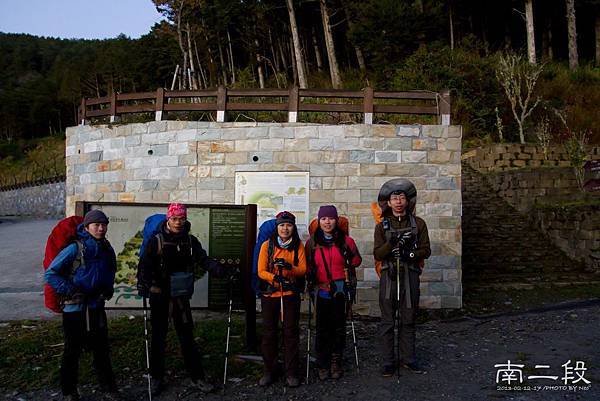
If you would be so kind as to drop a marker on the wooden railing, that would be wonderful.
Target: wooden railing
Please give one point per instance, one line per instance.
(222, 100)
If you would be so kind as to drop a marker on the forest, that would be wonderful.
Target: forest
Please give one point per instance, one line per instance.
(460, 45)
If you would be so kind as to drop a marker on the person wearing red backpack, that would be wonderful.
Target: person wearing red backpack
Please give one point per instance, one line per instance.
(83, 275)
(281, 269)
(332, 257)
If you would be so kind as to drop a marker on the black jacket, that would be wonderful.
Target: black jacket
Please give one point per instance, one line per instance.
(180, 253)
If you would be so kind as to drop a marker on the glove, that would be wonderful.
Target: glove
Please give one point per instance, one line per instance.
(282, 283)
(397, 252)
(406, 238)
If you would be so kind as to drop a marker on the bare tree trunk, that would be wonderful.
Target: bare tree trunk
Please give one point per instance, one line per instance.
(274, 54)
(530, 31)
(317, 52)
(547, 51)
(261, 77)
(296, 45)
(222, 61)
(572, 32)
(194, 82)
(232, 66)
(202, 76)
(293, 60)
(597, 39)
(181, 45)
(451, 20)
(334, 70)
(359, 54)
(282, 55)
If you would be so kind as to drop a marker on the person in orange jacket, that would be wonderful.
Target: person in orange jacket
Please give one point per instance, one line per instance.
(281, 269)
(332, 257)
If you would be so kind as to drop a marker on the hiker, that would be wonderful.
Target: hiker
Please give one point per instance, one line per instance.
(166, 276)
(401, 243)
(332, 258)
(281, 269)
(83, 275)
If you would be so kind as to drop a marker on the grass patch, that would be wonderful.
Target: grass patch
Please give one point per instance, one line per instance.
(30, 352)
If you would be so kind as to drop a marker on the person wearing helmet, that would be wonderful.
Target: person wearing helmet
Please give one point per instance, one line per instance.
(401, 244)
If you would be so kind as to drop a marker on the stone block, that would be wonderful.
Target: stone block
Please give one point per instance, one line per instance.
(387, 157)
(168, 185)
(181, 195)
(451, 302)
(281, 132)
(372, 143)
(219, 158)
(160, 196)
(431, 275)
(408, 130)
(443, 262)
(322, 196)
(187, 183)
(179, 148)
(257, 132)
(211, 183)
(414, 156)
(433, 131)
(333, 157)
(322, 170)
(320, 144)
(331, 131)
(208, 135)
(263, 157)
(453, 144)
(174, 125)
(386, 131)
(342, 143)
(362, 156)
(346, 195)
(188, 160)
(438, 209)
(168, 161)
(424, 144)
(223, 197)
(454, 131)
(233, 134)
(452, 275)
(372, 169)
(222, 147)
(393, 144)
(335, 182)
(246, 145)
(358, 130)
(103, 166)
(442, 183)
(271, 144)
(222, 171)
(359, 182)
(316, 182)
(296, 145)
(398, 170)
(346, 169)
(312, 156)
(126, 197)
(277, 157)
(306, 132)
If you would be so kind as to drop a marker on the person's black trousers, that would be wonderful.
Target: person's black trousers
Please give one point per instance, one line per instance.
(291, 333)
(77, 338)
(179, 309)
(407, 320)
(331, 329)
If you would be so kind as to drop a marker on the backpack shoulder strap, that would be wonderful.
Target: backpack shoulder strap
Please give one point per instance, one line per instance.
(79, 259)
(270, 252)
(161, 244)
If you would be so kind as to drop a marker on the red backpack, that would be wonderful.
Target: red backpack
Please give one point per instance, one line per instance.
(62, 235)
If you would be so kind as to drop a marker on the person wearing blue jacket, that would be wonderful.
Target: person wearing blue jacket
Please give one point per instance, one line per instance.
(83, 274)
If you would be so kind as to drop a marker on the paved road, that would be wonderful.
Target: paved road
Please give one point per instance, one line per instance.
(21, 273)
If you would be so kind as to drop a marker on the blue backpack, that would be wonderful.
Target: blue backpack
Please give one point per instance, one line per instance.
(264, 233)
(151, 228)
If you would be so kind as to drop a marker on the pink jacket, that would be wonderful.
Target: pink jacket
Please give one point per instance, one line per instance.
(335, 261)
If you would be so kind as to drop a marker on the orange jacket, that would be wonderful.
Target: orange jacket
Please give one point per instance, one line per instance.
(264, 265)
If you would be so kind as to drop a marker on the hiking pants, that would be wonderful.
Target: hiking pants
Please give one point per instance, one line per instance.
(406, 331)
(161, 307)
(76, 338)
(291, 333)
(331, 329)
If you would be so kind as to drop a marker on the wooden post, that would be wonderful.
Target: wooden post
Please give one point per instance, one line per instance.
(221, 103)
(444, 107)
(113, 107)
(82, 111)
(368, 105)
(160, 101)
(293, 102)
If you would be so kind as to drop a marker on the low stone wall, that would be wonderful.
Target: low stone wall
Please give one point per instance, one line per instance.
(575, 230)
(197, 161)
(40, 201)
(514, 156)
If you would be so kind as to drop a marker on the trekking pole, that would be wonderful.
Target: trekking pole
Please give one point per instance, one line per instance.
(147, 350)
(228, 333)
(398, 316)
(308, 338)
(353, 335)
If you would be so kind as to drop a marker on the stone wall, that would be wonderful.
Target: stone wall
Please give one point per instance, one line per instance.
(40, 201)
(575, 230)
(511, 155)
(196, 162)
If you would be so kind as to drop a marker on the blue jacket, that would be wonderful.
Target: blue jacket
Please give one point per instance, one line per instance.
(264, 233)
(94, 278)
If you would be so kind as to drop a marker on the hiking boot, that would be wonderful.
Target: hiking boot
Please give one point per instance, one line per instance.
(292, 381)
(388, 370)
(157, 386)
(323, 374)
(413, 367)
(202, 385)
(336, 366)
(265, 380)
(71, 397)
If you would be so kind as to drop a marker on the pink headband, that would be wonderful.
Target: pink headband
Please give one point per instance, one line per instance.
(177, 210)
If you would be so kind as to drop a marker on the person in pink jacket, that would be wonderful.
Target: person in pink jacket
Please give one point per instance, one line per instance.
(332, 258)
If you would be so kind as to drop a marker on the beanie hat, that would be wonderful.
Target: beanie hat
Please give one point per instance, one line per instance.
(177, 210)
(285, 217)
(328, 211)
(94, 216)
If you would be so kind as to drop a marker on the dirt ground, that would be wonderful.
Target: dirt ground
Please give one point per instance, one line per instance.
(459, 355)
